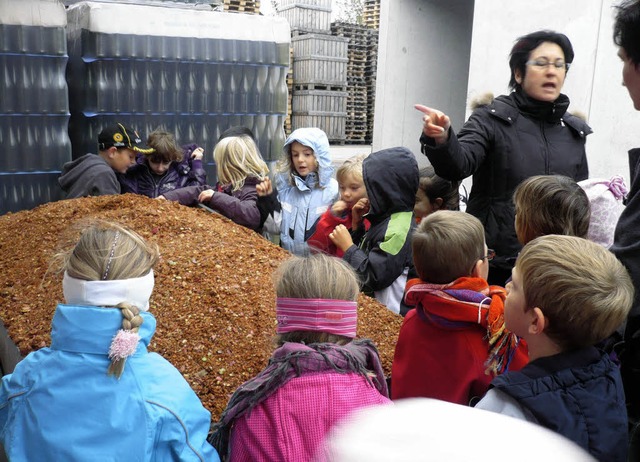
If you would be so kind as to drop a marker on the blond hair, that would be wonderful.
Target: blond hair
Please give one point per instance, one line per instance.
(447, 245)
(237, 157)
(316, 276)
(110, 251)
(351, 167)
(581, 288)
(164, 146)
(550, 204)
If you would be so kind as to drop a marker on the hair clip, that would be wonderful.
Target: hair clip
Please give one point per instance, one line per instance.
(113, 249)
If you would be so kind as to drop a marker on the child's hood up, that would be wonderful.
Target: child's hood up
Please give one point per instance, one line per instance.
(317, 140)
(391, 177)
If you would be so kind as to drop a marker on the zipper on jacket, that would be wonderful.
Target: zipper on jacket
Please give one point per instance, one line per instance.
(546, 147)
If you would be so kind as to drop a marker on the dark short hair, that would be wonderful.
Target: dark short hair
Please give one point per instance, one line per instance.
(237, 130)
(527, 43)
(435, 186)
(626, 29)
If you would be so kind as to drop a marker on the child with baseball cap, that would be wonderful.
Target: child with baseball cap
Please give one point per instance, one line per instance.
(318, 374)
(95, 175)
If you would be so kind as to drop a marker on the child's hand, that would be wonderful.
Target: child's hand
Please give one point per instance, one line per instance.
(359, 209)
(197, 153)
(206, 195)
(341, 237)
(338, 208)
(264, 188)
(161, 198)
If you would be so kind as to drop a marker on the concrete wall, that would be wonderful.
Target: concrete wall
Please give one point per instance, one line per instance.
(424, 48)
(417, 63)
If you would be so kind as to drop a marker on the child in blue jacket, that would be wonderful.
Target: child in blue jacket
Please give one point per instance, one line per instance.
(305, 187)
(383, 258)
(96, 393)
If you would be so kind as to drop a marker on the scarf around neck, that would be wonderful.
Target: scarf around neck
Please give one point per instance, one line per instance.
(549, 111)
(292, 360)
(468, 300)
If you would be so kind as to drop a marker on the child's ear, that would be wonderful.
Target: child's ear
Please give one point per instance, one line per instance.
(437, 204)
(476, 272)
(112, 151)
(538, 323)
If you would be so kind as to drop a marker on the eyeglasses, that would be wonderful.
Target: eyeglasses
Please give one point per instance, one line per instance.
(490, 254)
(542, 64)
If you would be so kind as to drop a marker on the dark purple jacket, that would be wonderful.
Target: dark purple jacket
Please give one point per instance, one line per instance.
(139, 179)
(239, 206)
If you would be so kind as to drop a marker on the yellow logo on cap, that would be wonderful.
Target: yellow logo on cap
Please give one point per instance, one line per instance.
(117, 137)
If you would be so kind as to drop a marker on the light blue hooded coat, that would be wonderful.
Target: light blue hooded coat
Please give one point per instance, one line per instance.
(304, 200)
(59, 404)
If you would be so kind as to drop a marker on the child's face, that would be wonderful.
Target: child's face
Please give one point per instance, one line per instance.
(351, 190)
(158, 165)
(515, 305)
(121, 159)
(303, 159)
(423, 205)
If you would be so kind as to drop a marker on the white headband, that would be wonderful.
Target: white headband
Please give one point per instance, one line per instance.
(136, 291)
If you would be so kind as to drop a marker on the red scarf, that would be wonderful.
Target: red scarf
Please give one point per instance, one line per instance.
(468, 300)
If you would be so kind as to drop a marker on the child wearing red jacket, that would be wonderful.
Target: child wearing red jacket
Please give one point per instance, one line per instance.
(454, 342)
(347, 211)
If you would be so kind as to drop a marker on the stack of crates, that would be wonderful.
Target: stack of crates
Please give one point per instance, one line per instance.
(372, 20)
(319, 97)
(34, 107)
(357, 86)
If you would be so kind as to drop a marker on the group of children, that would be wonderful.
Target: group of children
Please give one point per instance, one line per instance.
(527, 350)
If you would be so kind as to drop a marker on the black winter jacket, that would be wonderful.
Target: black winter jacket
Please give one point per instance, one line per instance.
(577, 394)
(502, 144)
(626, 246)
(391, 179)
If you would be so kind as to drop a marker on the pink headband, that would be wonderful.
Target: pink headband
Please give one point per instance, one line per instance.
(338, 317)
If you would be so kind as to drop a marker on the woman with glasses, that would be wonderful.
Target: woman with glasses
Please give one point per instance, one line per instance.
(528, 132)
(166, 168)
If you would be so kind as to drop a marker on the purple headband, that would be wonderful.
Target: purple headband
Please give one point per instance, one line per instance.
(338, 317)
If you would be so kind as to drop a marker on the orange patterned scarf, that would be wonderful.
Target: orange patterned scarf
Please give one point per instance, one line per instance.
(468, 300)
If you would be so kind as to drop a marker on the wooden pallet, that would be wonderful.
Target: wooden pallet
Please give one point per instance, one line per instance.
(242, 6)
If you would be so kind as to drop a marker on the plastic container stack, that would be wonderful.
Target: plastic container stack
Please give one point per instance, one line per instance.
(319, 68)
(34, 109)
(192, 72)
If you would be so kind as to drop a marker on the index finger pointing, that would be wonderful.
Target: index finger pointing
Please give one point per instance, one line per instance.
(425, 109)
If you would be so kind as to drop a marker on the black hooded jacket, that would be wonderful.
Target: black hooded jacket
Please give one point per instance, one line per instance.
(391, 180)
(503, 143)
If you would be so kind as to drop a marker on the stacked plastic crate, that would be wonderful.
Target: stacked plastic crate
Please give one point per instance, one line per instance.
(34, 109)
(357, 87)
(319, 97)
(372, 21)
(193, 72)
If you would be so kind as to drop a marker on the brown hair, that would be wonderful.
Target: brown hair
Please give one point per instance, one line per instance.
(580, 287)
(446, 246)
(550, 204)
(164, 146)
